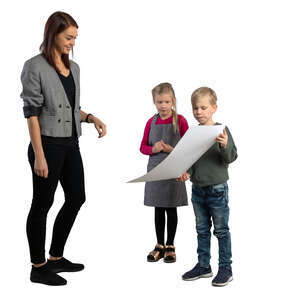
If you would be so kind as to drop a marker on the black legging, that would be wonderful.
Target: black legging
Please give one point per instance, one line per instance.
(160, 224)
(64, 165)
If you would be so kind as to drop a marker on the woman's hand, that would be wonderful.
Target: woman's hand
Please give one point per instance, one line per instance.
(184, 177)
(41, 166)
(157, 147)
(222, 138)
(99, 125)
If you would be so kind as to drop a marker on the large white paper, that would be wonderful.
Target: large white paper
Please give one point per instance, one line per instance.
(196, 141)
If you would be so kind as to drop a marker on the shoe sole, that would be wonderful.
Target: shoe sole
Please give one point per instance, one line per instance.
(222, 284)
(149, 260)
(62, 270)
(51, 284)
(198, 277)
(169, 261)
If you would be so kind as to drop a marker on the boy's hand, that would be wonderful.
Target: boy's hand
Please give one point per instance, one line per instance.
(222, 138)
(166, 147)
(157, 147)
(184, 177)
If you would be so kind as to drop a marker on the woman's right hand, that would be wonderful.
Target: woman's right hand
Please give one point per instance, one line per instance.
(41, 166)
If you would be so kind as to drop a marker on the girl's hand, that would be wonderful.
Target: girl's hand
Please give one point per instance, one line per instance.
(41, 166)
(157, 147)
(99, 125)
(166, 147)
(222, 138)
(184, 177)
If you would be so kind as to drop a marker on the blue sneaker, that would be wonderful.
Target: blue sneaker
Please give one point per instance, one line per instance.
(223, 277)
(197, 272)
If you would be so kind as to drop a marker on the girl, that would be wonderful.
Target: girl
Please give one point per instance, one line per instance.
(161, 134)
(51, 105)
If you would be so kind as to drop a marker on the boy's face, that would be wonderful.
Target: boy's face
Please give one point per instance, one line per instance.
(203, 110)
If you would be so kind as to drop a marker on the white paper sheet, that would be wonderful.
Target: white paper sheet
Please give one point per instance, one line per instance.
(196, 141)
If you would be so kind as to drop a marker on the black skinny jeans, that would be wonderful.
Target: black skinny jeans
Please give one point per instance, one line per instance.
(64, 165)
(160, 224)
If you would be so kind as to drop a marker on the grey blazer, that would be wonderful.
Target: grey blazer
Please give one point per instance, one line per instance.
(44, 96)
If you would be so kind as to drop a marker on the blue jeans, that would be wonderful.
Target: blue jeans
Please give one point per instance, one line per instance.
(210, 203)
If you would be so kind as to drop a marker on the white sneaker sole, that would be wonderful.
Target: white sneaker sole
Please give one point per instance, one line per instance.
(222, 284)
(198, 277)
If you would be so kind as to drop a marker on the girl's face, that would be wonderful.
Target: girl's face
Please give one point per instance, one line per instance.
(65, 40)
(203, 110)
(164, 103)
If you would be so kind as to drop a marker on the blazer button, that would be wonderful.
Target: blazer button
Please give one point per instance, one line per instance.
(59, 120)
(59, 106)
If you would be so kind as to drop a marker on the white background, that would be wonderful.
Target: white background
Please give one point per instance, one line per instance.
(248, 52)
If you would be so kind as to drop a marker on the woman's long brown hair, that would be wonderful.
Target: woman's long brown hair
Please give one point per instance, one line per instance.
(56, 23)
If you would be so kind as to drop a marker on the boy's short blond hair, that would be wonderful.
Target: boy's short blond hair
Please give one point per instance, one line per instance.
(203, 91)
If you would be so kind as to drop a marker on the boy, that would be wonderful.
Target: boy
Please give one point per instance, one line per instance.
(209, 176)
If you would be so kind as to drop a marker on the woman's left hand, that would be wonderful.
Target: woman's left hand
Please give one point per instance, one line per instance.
(100, 126)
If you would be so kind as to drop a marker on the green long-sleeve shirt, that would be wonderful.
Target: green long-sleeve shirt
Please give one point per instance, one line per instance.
(212, 167)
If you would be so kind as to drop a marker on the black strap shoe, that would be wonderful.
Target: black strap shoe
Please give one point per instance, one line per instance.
(156, 254)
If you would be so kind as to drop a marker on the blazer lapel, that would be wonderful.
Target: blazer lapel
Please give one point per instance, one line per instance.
(57, 82)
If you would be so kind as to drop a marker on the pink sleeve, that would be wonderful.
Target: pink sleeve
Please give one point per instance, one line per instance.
(183, 125)
(145, 148)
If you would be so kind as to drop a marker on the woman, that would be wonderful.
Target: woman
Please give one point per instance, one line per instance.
(51, 105)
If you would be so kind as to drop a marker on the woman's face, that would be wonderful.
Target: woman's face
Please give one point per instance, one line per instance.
(65, 40)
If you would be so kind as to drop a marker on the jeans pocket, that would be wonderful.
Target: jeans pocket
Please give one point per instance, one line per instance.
(218, 190)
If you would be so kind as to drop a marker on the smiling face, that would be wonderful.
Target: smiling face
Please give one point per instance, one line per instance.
(164, 103)
(203, 110)
(65, 40)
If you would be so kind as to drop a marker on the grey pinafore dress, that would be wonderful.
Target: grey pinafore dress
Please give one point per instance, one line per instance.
(163, 193)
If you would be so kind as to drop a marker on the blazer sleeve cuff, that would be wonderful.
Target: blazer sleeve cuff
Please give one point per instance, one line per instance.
(30, 111)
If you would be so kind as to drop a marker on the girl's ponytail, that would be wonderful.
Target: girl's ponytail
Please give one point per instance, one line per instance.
(175, 118)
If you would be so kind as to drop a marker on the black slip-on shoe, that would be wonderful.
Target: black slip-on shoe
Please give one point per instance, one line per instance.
(63, 265)
(44, 275)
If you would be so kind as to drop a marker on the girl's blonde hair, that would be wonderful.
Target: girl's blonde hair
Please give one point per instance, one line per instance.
(164, 88)
(203, 91)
